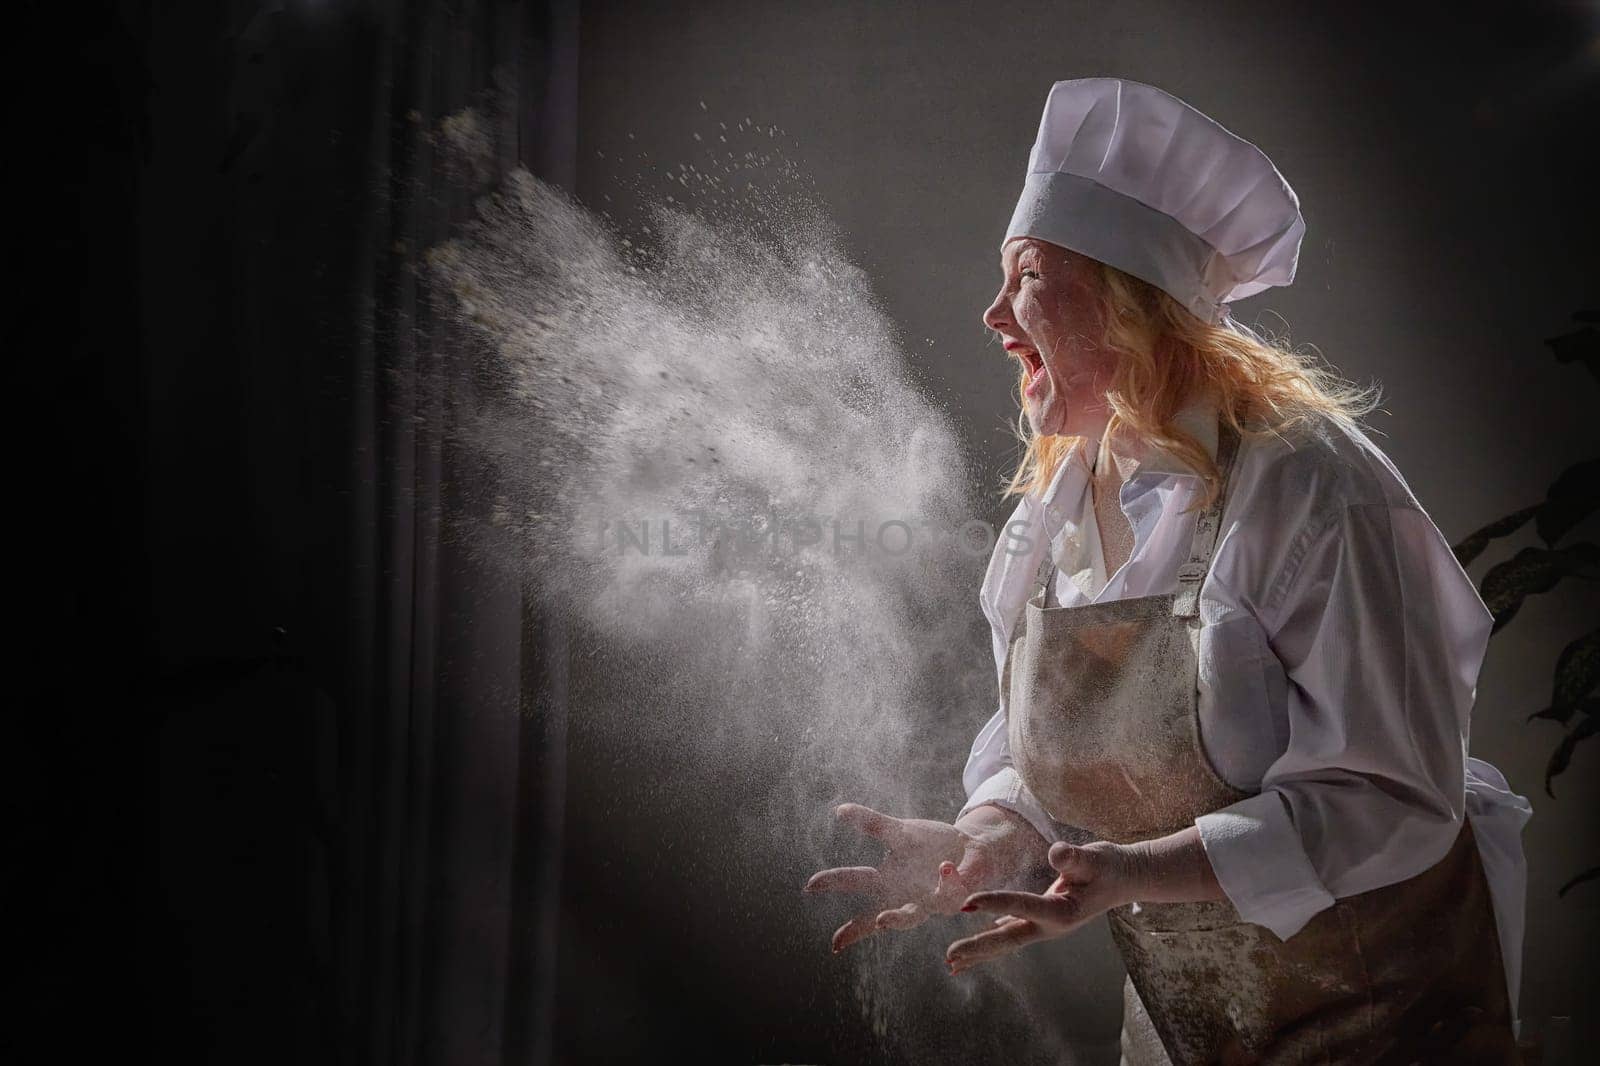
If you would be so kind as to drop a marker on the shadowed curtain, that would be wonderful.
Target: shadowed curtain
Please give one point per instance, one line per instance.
(358, 824)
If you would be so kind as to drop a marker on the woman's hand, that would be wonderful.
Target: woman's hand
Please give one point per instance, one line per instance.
(931, 867)
(1091, 879)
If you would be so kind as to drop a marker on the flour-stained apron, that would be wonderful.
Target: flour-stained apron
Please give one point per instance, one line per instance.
(1103, 702)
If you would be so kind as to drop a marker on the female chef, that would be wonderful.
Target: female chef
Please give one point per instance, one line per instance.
(1236, 659)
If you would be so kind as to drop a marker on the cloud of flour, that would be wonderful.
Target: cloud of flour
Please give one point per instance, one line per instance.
(707, 448)
(707, 456)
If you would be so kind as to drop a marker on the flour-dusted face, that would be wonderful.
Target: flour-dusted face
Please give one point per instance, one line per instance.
(1048, 318)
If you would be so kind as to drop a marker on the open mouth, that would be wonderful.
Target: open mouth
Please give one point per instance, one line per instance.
(1034, 365)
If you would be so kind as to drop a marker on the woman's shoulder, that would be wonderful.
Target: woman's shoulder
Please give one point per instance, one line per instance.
(1289, 490)
(1316, 469)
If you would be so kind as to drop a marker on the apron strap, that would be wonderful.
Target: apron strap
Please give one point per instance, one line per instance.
(1041, 578)
(1192, 574)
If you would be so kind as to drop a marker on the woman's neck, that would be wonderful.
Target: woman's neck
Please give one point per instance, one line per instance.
(1115, 460)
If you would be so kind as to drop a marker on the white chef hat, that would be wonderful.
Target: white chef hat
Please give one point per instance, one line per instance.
(1136, 178)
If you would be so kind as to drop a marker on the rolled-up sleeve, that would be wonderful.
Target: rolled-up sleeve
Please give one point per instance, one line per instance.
(1381, 635)
(990, 777)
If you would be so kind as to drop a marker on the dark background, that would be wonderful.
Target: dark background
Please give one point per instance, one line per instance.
(293, 780)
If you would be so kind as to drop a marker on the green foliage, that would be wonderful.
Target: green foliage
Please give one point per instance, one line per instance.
(1573, 497)
(1581, 346)
(1533, 570)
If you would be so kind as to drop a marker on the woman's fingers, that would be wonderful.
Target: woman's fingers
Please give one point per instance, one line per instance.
(975, 867)
(884, 827)
(992, 943)
(949, 892)
(1073, 862)
(862, 880)
(1053, 909)
(871, 822)
(864, 925)
(858, 928)
(907, 917)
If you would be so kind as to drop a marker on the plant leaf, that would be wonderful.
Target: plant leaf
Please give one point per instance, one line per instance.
(1588, 875)
(1577, 671)
(1533, 570)
(1562, 756)
(1473, 546)
(1563, 714)
(1580, 346)
(1574, 497)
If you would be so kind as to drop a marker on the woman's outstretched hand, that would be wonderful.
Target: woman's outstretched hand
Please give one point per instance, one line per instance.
(931, 867)
(1091, 879)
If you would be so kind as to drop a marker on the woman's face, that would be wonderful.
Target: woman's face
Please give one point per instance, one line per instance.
(1049, 319)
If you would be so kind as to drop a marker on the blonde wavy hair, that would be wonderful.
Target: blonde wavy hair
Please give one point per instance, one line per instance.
(1164, 353)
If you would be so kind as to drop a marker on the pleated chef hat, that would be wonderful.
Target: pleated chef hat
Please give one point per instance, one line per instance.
(1136, 178)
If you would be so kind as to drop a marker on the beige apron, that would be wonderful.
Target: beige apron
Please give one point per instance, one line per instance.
(1103, 728)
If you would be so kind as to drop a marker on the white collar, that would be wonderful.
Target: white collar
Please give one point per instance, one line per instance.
(1197, 417)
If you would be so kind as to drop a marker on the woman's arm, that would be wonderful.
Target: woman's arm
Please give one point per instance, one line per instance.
(1170, 869)
(990, 778)
(1380, 636)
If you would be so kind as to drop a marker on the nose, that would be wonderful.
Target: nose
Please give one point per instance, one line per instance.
(998, 316)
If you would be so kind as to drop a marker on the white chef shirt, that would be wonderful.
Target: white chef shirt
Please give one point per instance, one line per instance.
(1338, 664)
